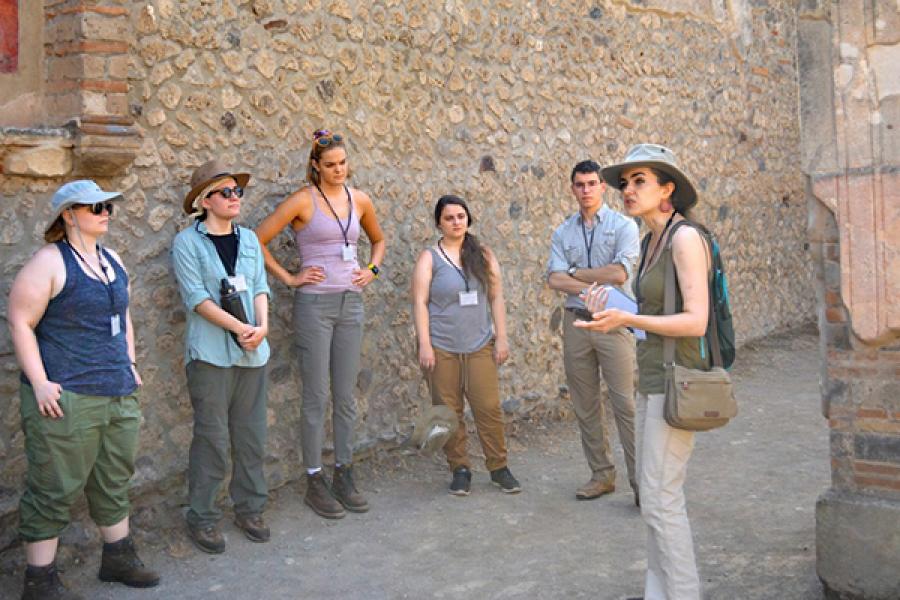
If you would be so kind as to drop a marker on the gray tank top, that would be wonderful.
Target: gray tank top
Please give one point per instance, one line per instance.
(455, 328)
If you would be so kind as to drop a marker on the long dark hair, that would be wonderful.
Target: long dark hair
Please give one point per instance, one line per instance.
(473, 255)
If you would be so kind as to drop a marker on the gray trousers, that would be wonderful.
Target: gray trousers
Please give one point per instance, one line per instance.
(328, 334)
(229, 405)
(585, 353)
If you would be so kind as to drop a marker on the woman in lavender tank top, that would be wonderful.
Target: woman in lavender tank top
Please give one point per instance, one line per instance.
(325, 218)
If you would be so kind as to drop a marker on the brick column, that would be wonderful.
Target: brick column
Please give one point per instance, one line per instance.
(850, 112)
(87, 58)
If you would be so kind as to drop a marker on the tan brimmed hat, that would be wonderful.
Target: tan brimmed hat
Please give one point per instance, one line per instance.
(662, 159)
(205, 175)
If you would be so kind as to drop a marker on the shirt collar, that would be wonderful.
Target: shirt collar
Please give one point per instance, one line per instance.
(599, 216)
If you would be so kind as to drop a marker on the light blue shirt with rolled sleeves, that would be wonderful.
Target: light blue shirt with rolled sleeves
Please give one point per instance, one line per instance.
(616, 240)
(199, 272)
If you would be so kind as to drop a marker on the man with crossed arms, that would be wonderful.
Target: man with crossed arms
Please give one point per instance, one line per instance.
(596, 245)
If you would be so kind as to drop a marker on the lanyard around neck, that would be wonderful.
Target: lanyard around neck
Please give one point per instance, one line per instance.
(588, 246)
(345, 231)
(453, 264)
(103, 279)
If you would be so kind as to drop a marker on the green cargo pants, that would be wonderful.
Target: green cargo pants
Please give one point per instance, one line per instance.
(229, 409)
(91, 449)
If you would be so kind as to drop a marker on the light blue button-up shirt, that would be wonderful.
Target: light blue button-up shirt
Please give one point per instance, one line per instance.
(616, 240)
(199, 272)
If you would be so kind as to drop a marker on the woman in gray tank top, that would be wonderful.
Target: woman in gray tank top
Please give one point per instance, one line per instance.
(325, 220)
(457, 288)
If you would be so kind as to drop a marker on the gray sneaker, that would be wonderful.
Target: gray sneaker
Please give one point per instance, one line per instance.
(505, 481)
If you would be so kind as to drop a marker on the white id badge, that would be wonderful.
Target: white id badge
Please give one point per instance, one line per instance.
(115, 326)
(239, 282)
(468, 298)
(348, 253)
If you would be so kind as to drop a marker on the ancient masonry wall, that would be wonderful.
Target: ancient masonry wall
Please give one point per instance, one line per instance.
(494, 102)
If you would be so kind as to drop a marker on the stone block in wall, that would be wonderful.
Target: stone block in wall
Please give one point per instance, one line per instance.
(46, 160)
(858, 546)
(816, 91)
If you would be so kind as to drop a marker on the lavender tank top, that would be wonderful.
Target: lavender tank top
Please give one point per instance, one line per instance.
(321, 244)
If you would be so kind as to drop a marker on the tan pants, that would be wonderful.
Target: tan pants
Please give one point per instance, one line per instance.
(585, 353)
(473, 377)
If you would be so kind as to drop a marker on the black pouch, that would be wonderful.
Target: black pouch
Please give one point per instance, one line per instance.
(232, 304)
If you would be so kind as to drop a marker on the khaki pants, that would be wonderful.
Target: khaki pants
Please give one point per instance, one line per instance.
(474, 377)
(662, 458)
(585, 353)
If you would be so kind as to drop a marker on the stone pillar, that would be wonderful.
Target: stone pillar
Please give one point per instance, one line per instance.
(850, 114)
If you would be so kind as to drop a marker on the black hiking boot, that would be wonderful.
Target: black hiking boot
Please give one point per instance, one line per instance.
(43, 583)
(345, 492)
(120, 563)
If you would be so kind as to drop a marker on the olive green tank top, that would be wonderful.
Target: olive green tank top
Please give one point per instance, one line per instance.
(650, 288)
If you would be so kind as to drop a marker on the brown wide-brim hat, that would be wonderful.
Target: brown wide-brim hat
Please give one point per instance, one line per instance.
(208, 173)
(661, 158)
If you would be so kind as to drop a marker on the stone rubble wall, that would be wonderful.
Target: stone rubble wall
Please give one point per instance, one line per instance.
(491, 101)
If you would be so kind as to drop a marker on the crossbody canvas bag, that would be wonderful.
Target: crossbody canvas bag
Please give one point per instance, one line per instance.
(696, 400)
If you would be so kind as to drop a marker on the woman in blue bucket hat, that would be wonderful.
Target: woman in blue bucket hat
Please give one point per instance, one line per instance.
(72, 333)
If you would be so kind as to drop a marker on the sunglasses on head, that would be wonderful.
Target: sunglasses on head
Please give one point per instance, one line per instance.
(228, 192)
(98, 208)
(325, 138)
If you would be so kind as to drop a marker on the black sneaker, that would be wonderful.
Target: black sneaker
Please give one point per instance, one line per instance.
(504, 479)
(462, 482)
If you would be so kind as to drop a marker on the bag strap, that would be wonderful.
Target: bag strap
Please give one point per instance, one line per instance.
(669, 303)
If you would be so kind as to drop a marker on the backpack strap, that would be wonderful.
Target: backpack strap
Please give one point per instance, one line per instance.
(670, 290)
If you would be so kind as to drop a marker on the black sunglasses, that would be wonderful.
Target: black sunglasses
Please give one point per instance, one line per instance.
(97, 209)
(228, 192)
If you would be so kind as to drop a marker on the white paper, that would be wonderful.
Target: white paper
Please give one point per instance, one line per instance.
(618, 299)
(468, 298)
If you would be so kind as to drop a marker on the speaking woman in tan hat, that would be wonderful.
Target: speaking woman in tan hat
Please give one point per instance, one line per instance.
(71, 329)
(655, 189)
(325, 220)
(222, 279)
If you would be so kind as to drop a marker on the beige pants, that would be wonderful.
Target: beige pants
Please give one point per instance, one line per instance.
(585, 354)
(456, 377)
(663, 454)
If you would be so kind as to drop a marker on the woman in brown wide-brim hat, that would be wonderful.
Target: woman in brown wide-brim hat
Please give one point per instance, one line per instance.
(658, 191)
(221, 276)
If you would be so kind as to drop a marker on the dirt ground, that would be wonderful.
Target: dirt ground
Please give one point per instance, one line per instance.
(751, 492)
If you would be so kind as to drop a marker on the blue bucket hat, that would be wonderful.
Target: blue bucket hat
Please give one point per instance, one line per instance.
(83, 191)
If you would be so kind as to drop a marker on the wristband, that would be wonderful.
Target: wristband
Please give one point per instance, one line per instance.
(374, 268)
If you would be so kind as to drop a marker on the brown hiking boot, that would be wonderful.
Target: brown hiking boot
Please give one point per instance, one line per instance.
(253, 526)
(345, 492)
(319, 497)
(595, 488)
(208, 538)
(43, 583)
(120, 563)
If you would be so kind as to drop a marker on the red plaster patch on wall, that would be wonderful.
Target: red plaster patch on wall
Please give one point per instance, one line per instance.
(9, 36)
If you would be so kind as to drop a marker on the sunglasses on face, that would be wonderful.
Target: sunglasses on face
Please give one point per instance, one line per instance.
(325, 138)
(228, 192)
(98, 208)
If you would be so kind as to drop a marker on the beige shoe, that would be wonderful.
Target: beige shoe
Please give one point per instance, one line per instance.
(595, 488)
